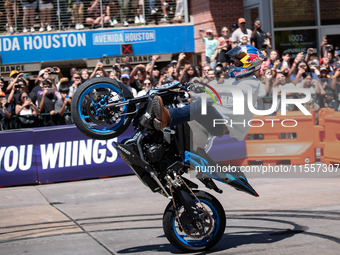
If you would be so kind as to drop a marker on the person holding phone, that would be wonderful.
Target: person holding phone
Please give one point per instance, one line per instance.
(260, 38)
(210, 47)
(63, 105)
(25, 107)
(5, 111)
(47, 99)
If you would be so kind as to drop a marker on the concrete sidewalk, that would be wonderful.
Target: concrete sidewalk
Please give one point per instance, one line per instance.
(122, 216)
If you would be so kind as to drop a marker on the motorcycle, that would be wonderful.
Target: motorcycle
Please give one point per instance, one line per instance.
(194, 220)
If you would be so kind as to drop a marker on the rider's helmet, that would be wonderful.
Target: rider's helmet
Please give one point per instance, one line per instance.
(247, 60)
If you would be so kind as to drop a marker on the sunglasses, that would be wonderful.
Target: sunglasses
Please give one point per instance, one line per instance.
(147, 83)
(209, 33)
(126, 69)
(77, 78)
(243, 23)
(225, 31)
(303, 66)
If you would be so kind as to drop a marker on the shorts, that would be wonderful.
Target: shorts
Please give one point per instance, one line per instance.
(43, 6)
(26, 6)
(222, 56)
(9, 4)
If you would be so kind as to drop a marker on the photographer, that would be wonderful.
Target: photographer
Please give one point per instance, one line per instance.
(47, 99)
(25, 107)
(298, 70)
(63, 105)
(14, 77)
(17, 87)
(140, 71)
(99, 71)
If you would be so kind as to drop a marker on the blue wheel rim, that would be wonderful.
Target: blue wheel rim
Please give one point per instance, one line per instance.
(204, 241)
(105, 129)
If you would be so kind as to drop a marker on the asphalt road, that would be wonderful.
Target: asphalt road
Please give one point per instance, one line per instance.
(122, 216)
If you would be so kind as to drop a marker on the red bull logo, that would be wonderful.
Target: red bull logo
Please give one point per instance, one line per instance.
(248, 59)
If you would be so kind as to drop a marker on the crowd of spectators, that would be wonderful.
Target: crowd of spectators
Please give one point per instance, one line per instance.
(45, 15)
(279, 69)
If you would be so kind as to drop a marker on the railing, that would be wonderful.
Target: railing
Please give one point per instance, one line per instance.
(65, 15)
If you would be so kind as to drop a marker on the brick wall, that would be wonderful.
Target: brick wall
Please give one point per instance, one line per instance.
(213, 14)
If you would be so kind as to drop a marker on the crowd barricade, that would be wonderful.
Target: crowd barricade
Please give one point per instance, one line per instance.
(330, 139)
(281, 139)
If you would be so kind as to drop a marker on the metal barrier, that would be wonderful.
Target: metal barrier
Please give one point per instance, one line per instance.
(65, 14)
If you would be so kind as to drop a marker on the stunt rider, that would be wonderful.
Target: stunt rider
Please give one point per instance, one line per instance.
(247, 60)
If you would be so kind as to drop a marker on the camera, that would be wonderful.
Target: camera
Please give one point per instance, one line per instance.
(116, 68)
(202, 30)
(52, 70)
(50, 90)
(314, 63)
(141, 69)
(313, 51)
(329, 47)
(18, 86)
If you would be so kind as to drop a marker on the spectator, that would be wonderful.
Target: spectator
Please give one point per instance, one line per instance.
(244, 39)
(5, 111)
(314, 88)
(267, 80)
(95, 11)
(189, 73)
(85, 75)
(78, 13)
(45, 7)
(223, 46)
(174, 63)
(99, 71)
(211, 75)
(179, 14)
(17, 87)
(28, 7)
(2, 84)
(313, 64)
(137, 6)
(300, 68)
(125, 78)
(46, 101)
(25, 107)
(12, 75)
(63, 105)
(113, 75)
(9, 8)
(285, 61)
(233, 28)
(65, 17)
(63, 82)
(140, 71)
(329, 100)
(281, 81)
(259, 37)
(335, 84)
(123, 10)
(206, 69)
(164, 6)
(210, 47)
(147, 86)
(237, 34)
(114, 8)
(76, 78)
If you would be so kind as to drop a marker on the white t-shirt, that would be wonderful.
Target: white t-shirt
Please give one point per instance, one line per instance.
(237, 34)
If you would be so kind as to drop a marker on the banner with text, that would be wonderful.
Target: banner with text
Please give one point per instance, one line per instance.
(95, 44)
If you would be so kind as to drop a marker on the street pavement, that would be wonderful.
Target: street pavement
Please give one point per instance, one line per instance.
(122, 216)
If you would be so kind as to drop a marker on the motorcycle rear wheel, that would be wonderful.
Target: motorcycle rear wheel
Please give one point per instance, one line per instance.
(185, 243)
(88, 116)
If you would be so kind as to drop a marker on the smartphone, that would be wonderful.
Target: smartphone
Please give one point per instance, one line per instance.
(50, 90)
(25, 76)
(52, 70)
(159, 57)
(27, 97)
(202, 30)
(18, 86)
(67, 96)
(99, 61)
(257, 19)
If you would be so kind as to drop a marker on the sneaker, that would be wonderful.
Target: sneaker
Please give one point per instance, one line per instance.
(77, 26)
(166, 4)
(137, 21)
(24, 30)
(153, 12)
(81, 26)
(165, 18)
(125, 24)
(49, 28)
(162, 114)
(11, 30)
(42, 29)
(142, 20)
(32, 29)
(113, 22)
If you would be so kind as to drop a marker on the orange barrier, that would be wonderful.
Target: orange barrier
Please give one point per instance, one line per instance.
(330, 140)
(281, 139)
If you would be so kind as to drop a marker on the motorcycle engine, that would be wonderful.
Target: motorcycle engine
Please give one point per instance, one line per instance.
(154, 152)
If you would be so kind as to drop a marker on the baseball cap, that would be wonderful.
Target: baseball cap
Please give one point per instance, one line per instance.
(41, 72)
(64, 79)
(173, 62)
(323, 69)
(234, 25)
(241, 20)
(125, 75)
(13, 73)
(209, 31)
(321, 60)
(2, 94)
(336, 65)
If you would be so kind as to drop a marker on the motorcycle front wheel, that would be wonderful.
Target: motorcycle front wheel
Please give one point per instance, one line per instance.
(89, 116)
(179, 239)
